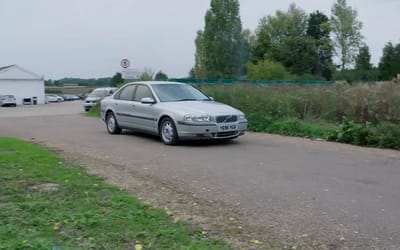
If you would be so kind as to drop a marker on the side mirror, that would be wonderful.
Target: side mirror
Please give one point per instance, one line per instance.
(147, 100)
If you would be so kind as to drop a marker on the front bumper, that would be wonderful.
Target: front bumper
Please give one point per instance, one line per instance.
(188, 131)
(89, 104)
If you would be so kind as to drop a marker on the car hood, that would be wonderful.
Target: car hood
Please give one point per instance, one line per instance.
(94, 98)
(199, 107)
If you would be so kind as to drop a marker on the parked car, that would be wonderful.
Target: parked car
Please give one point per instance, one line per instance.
(54, 98)
(174, 111)
(96, 95)
(8, 100)
(71, 97)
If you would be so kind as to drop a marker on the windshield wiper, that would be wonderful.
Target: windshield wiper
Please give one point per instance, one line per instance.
(187, 99)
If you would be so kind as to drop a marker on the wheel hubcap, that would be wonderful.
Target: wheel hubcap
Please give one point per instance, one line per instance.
(167, 132)
(111, 123)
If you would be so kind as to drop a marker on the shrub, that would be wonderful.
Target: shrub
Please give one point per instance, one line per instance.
(267, 70)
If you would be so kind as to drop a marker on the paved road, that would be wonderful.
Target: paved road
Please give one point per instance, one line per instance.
(326, 195)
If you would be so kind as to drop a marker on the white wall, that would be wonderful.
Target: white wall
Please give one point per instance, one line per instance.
(23, 89)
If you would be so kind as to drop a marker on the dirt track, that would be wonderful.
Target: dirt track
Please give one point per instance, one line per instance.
(274, 189)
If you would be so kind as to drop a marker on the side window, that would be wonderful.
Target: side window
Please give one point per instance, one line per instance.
(142, 92)
(127, 93)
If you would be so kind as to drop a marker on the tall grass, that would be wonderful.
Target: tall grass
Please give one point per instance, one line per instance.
(318, 111)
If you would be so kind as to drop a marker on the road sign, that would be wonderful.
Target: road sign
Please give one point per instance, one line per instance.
(130, 74)
(125, 63)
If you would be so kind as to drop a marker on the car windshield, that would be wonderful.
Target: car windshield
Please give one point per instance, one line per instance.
(98, 93)
(178, 92)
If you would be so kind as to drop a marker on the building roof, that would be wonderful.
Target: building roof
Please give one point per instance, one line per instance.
(6, 67)
(15, 72)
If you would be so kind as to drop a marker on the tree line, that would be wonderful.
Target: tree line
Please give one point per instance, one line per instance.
(290, 44)
(114, 81)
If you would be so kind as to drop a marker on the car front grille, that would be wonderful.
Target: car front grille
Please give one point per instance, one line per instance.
(225, 134)
(226, 118)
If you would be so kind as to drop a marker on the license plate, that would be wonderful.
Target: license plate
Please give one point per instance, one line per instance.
(227, 127)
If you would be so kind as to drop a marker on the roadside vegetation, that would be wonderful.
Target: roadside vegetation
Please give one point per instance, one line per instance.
(361, 114)
(94, 111)
(48, 204)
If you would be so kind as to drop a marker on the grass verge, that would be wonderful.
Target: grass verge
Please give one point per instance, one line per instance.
(78, 211)
(94, 112)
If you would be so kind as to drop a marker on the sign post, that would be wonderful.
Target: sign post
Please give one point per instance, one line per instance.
(128, 73)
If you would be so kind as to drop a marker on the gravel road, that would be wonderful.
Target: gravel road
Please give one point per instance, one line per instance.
(261, 191)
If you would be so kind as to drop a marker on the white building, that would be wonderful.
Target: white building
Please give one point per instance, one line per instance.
(27, 87)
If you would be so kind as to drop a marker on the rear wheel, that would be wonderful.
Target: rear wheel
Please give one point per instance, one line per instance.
(168, 133)
(112, 124)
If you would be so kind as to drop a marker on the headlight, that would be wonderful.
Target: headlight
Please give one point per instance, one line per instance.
(197, 118)
(242, 117)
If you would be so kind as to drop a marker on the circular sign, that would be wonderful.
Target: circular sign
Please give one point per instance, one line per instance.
(125, 63)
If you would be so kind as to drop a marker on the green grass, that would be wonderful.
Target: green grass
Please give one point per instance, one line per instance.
(84, 213)
(94, 111)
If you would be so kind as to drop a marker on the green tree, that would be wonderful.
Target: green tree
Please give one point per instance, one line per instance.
(389, 65)
(192, 75)
(199, 66)
(319, 29)
(266, 70)
(346, 31)
(282, 38)
(147, 75)
(48, 82)
(117, 80)
(161, 76)
(363, 59)
(222, 40)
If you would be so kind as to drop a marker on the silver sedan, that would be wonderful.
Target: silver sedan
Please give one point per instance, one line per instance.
(174, 111)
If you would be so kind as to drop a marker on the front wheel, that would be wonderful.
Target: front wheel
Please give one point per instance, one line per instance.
(168, 133)
(112, 124)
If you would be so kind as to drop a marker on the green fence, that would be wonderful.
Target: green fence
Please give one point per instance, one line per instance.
(261, 82)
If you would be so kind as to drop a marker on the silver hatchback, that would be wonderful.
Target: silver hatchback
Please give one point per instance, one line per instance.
(174, 111)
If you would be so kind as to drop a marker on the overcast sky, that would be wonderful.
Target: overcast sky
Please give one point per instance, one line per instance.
(88, 38)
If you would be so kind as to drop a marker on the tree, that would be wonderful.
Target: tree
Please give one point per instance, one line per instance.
(363, 59)
(282, 38)
(347, 32)
(199, 66)
(147, 74)
(249, 40)
(161, 76)
(192, 74)
(389, 65)
(364, 70)
(116, 80)
(222, 40)
(319, 29)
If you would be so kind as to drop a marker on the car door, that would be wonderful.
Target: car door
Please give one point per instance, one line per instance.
(123, 105)
(143, 114)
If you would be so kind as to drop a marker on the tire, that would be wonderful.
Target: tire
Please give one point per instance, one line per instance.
(168, 132)
(112, 124)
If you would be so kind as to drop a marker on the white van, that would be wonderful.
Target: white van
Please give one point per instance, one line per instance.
(96, 95)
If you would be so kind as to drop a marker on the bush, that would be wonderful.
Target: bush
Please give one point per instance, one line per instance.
(267, 70)
(383, 135)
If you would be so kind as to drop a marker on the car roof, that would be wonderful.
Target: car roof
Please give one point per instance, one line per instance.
(155, 82)
(105, 88)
